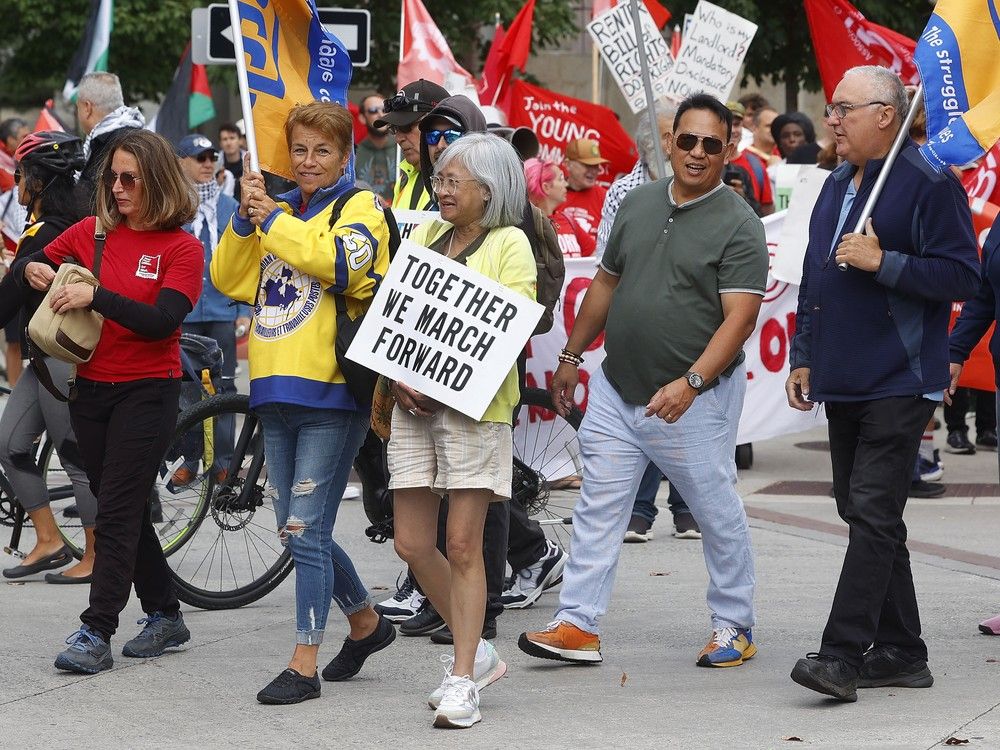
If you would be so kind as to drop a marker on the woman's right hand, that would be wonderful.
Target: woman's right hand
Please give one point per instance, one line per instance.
(413, 401)
(39, 275)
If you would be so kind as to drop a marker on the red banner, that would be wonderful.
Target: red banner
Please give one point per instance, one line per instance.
(978, 370)
(983, 182)
(558, 119)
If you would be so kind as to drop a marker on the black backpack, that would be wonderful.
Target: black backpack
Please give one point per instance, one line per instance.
(549, 264)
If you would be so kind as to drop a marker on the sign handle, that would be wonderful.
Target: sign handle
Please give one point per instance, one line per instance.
(647, 85)
(241, 75)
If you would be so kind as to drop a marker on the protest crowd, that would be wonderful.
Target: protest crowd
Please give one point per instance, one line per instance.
(454, 220)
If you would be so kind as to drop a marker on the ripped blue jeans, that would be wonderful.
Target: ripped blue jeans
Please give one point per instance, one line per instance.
(309, 455)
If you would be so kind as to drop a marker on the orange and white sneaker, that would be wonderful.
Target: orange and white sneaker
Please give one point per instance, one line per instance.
(728, 647)
(562, 642)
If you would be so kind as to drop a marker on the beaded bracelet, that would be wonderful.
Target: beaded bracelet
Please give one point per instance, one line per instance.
(570, 358)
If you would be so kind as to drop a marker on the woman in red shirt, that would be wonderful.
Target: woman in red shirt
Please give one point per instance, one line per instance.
(126, 405)
(547, 189)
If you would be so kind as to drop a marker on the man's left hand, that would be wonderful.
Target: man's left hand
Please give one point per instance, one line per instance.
(671, 401)
(861, 250)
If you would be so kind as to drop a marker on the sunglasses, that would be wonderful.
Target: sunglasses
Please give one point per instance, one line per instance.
(127, 179)
(433, 137)
(17, 175)
(204, 156)
(687, 141)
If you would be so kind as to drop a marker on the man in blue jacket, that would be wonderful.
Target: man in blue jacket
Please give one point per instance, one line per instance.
(871, 342)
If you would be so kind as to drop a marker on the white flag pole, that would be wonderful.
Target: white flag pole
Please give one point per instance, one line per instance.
(241, 75)
(901, 137)
(647, 85)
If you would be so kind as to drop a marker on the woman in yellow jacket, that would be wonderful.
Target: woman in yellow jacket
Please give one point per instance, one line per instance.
(290, 260)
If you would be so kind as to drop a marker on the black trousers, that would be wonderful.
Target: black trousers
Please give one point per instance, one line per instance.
(986, 410)
(123, 430)
(873, 446)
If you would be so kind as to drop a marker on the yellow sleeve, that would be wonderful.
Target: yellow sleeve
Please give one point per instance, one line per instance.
(426, 233)
(235, 267)
(349, 259)
(518, 270)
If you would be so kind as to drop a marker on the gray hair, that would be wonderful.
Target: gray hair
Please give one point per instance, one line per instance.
(645, 138)
(101, 89)
(11, 127)
(885, 86)
(496, 167)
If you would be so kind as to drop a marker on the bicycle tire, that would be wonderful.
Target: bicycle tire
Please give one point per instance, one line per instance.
(231, 507)
(70, 528)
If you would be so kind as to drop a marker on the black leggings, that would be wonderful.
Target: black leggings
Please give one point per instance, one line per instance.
(123, 431)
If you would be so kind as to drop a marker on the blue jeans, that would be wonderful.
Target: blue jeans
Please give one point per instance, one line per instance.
(617, 441)
(645, 498)
(309, 455)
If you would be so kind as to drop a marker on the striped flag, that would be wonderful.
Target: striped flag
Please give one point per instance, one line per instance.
(187, 103)
(92, 54)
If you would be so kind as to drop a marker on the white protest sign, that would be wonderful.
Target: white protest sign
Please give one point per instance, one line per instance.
(712, 51)
(787, 263)
(786, 178)
(407, 220)
(444, 329)
(614, 35)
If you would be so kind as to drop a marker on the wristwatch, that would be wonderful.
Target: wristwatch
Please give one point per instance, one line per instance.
(695, 380)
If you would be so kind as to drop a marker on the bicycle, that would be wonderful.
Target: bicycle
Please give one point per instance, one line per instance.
(228, 555)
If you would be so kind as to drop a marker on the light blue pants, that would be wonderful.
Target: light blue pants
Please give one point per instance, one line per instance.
(697, 452)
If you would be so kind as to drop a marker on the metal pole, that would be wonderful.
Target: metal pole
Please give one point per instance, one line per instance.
(647, 85)
(241, 75)
(897, 145)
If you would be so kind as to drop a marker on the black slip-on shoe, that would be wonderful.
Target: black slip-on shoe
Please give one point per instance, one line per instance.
(56, 560)
(352, 654)
(444, 637)
(290, 687)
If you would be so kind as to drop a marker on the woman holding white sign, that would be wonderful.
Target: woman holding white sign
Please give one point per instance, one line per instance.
(435, 450)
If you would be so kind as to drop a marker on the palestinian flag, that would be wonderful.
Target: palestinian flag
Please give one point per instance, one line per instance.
(187, 103)
(92, 54)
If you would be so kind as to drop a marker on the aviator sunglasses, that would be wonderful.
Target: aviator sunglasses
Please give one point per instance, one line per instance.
(687, 141)
(127, 179)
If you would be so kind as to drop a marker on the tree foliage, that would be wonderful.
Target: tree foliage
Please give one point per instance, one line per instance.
(782, 51)
(39, 37)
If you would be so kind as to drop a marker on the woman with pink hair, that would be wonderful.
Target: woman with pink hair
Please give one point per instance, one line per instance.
(547, 190)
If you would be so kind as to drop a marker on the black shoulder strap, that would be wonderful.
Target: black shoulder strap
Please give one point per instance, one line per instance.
(338, 205)
(99, 238)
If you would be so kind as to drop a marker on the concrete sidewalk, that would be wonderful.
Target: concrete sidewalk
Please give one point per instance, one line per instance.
(648, 693)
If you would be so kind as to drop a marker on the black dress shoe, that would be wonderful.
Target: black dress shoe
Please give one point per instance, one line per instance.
(829, 675)
(888, 666)
(445, 638)
(56, 560)
(352, 654)
(425, 622)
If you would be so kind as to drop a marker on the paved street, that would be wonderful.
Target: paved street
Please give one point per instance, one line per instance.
(647, 693)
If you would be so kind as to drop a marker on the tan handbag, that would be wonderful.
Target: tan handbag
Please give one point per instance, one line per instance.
(69, 336)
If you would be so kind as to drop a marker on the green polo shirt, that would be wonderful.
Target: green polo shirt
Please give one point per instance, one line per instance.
(673, 263)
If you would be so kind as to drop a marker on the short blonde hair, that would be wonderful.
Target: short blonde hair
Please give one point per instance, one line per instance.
(168, 200)
(329, 118)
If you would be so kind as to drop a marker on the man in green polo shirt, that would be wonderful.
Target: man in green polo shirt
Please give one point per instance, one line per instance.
(677, 294)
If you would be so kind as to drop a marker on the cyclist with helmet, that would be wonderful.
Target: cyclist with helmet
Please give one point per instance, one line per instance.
(46, 163)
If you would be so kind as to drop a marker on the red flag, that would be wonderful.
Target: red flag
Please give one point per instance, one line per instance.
(675, 42)
(843, 38)
(426, 54)
(660, 14)
(47, 119)
(983, 183)
(509, 51)
(558, 119)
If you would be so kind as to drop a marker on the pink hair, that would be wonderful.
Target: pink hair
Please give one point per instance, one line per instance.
(538, 173)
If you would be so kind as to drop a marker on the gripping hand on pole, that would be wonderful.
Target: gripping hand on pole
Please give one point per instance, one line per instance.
(861, 250)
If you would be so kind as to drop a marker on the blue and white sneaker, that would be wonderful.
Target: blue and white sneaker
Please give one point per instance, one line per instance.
(88, 653)
(728, 647)
(930, 471)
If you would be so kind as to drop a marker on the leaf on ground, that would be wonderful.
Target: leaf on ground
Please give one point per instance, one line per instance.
(658, 573)
(16, 583)
(991, 661)
(793, 738)
(624, 679)
(955, 741)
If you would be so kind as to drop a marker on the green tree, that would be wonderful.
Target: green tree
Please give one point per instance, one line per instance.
(39, 37)
(782, 50)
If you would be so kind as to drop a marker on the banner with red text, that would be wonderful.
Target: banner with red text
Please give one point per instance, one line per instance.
(766, 413)
(983, 183)
(558, 119)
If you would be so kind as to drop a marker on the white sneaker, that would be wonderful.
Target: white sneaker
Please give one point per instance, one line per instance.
(529, 584)
(403, 605)
(351, 492)
(486, 671)
(459, 707)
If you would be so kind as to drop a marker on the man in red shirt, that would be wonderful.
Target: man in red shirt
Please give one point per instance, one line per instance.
(752, 163)
(585, 198)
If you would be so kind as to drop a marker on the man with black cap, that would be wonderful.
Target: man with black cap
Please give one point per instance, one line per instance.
(585, 198)
(402, 114)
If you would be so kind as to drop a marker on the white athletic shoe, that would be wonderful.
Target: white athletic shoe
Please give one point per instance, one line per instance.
(459, 707)
(487, 670)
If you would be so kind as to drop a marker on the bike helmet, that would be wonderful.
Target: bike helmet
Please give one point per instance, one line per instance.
(52, 150)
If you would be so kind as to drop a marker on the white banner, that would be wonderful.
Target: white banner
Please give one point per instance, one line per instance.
(444, 329)
(712, 51)
(766, 412)
(614, 35)
(407, 220)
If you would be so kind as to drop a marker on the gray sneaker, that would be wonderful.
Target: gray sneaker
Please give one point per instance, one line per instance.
(88, 653)
(161, 632)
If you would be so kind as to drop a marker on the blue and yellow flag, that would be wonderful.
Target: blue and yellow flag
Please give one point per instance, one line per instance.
(291, 59)
(959, 60)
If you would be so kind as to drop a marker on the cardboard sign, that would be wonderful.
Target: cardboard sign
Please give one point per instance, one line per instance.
(794, 237)
(614, 35)
(712, 51)
(407, 220)
(445, 330)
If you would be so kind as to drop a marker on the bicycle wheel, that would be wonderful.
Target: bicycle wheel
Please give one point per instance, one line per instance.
(61, 496)
(226, 553)
(547, 465)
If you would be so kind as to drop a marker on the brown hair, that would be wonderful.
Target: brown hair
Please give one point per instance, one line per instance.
(329, 118)
(168, 197)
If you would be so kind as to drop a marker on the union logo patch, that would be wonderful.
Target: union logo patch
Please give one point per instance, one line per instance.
(285, 300)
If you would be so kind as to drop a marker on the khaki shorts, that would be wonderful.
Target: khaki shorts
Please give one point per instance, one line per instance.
(450, 451)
